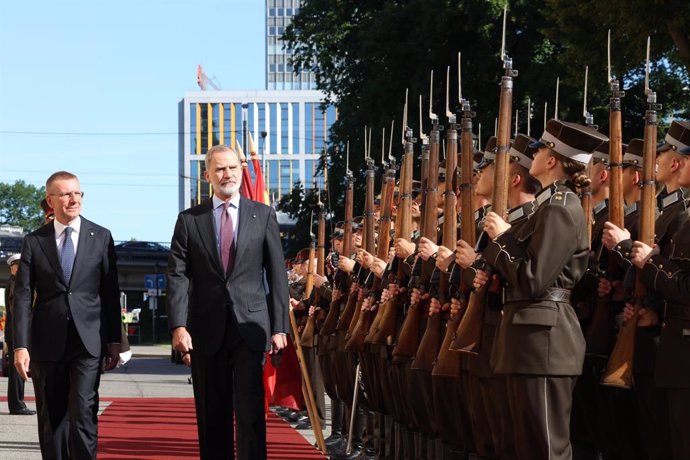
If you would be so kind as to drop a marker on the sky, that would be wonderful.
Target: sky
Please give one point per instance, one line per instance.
(93, 86)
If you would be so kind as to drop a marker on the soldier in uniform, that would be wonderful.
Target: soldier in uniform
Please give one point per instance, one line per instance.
(664, 399)
(490, 385)
(539, 345)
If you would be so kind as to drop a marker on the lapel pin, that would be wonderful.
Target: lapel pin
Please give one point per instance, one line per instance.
(91, 233)
(253, 216)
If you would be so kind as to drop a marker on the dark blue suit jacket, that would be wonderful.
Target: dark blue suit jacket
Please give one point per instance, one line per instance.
(42, 297)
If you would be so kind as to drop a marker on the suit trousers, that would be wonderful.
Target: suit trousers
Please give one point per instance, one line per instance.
(15, 384)
(67, 401)
(226, 383)
(540, 408)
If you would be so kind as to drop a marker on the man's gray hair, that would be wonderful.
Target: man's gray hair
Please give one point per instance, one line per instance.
(219, 148)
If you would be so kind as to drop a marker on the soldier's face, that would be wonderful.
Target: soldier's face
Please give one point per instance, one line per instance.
(485, 183)
(14, 268)
(540, 163)
(666, 164)
(684, 177)
(630, 179)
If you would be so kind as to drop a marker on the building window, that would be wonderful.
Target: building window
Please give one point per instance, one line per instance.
(295, 128)
(309, 127)
(284, 129)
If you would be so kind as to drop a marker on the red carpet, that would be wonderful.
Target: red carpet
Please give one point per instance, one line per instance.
(164, 428)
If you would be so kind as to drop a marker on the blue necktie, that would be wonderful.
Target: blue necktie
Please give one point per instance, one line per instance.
(67, 255)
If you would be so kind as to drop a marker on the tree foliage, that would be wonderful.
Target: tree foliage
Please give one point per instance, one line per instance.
(20, 205)
(367, 53)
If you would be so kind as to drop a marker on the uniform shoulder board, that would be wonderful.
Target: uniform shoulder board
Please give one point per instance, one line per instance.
(563, 197)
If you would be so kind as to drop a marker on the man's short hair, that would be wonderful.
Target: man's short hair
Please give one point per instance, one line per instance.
(60, 175)
(218, 148)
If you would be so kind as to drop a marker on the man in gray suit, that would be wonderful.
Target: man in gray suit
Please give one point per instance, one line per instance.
(223, 254)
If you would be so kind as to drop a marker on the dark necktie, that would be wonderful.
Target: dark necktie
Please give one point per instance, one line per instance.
(227, 234)
(67, 255)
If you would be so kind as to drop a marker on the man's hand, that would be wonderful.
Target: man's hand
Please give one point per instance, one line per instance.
(364, 258)
(444, 259)
(319, 280)
(403, 248)
(494, 225)
(464, 254)
(182, 342)
(480, 279)
(427, 248)
(278, 342)
(641, 253)
(346, 264)
(296, 304)
(21, 363)
(612, 235)
(112, 356)
(646, 316)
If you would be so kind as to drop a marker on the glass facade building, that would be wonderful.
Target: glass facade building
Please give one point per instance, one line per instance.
(296, 133)
(279, 73)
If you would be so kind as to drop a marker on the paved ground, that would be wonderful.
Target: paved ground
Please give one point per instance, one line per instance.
(149, 374)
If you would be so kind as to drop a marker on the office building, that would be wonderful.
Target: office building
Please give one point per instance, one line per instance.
(279, 72)
(296, 132)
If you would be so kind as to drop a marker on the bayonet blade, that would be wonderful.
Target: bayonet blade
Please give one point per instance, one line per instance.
(529, 116)
(555, 110)
(646, 69)
(584, 104)
(503, 34)
(390, 142)
(404, 124)
(459, 79)
(432, 116)
(608, 55)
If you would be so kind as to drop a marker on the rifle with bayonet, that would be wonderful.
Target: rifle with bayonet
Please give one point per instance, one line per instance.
(307, 339)
(448, 362)
(408, 339)
(383, 325)
(387, 332)
(341, 278)
(431, 340)
(620, 366)
(598, 331)
(362, 319)
(469, 333)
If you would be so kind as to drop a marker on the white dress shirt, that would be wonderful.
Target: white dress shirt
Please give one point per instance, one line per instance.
(60, 233)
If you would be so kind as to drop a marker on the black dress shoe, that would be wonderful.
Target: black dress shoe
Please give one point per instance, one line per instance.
(356, 451)
(334, 438)
(296, 417)
(23, 411)
(304, 425)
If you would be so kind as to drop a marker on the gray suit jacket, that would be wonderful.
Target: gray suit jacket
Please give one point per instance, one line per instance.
(200, 295)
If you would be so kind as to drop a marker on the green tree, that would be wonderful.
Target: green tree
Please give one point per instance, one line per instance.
(365, 55)
(20, 205)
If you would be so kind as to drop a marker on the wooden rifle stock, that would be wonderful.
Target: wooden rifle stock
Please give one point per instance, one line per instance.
(409, 338)
(598, 332)
(428, 348)
(447, 363)
(468, 336)
(307, 339)
(361, 320)
(619, 372)
(308, 331)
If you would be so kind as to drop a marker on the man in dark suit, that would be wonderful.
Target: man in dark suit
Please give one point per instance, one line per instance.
(223, 254)
(66, 320)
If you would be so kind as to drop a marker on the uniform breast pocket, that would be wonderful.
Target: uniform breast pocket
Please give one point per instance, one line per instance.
(542, 314)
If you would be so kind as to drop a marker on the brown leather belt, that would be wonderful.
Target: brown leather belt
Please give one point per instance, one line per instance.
(551, 294)
(678, 311)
